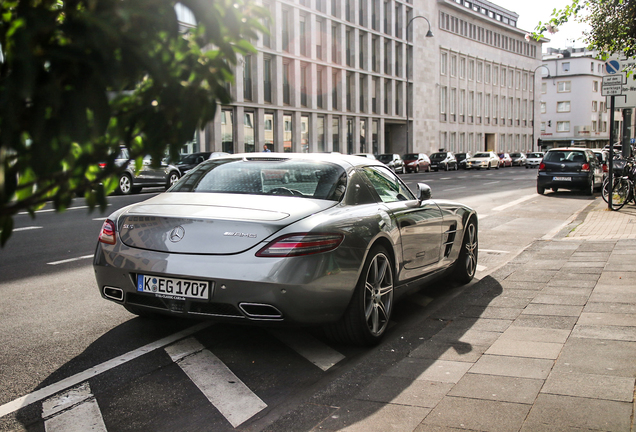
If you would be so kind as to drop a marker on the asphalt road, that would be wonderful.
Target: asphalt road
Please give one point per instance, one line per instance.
(57, 333)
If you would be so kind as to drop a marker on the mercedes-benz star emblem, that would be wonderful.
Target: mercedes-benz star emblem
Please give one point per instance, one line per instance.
(177, 234)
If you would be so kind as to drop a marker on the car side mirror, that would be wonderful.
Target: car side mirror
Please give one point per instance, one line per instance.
(424, 192)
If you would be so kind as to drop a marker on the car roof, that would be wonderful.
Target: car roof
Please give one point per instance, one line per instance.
(343, 160)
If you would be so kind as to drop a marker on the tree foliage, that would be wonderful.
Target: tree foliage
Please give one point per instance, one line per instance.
(612, 23)
(80, 78)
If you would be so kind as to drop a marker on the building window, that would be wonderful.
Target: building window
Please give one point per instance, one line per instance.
(503, 77)
(285, 25)
(335, 133)
(349, 46)
(563, 86)
(267, 79)
(247, 78)
(286, 88)
(518, 80)
(334, 44)
(304, 134)
(487, 74)
(334, 90)
(442, 63)
(303, 35)
(248, 132)
(287, 133)
(462, 67)
(594, 106)
(542, 126)
(442, 102)
(495, 74)
(267, 23)
(566, 66)
(318, 38)
(269, 131)
(480, 68)
(453, 65)
(471, 69)
(563, 106)
(319, 88)
(544, 88)
(595, 86)
(451, 104)
(227, 131)
(563, 126)
(361, 48)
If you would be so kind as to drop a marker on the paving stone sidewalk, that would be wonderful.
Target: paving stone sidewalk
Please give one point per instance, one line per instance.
(545, 343)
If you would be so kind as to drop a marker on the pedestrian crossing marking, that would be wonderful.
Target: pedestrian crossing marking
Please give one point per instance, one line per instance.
(74, 410)
(309, 347)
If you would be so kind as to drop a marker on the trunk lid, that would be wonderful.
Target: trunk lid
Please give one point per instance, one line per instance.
(210, 223)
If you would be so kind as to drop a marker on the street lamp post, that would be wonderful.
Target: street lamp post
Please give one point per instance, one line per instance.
(428, 34)
(533, 116)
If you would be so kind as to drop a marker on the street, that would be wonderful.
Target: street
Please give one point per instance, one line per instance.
(57, 333)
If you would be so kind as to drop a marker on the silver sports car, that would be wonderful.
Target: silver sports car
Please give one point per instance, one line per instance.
(310, 239)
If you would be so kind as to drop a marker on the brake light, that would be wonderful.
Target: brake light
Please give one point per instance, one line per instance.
(541, 166)
(301, 244)
(107, 234)
(102, 165)
(605, 168)
(585, 167)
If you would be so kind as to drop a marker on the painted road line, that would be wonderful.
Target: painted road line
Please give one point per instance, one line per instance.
(493, 251)
(480, 268)
(71, 381)
(515, 202)
(216, 381)
(26, 228)
(309, 347)
(75, 410)
(52, 210)
(452, 189)
(445, 178)
(492, 182)
(71, 260)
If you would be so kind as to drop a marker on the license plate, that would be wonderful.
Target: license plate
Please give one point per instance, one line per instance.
(562, 178)
(171, 288)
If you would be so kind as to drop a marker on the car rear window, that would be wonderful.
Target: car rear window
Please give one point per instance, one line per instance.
(565, 156)
(438, 156)
(534, 155)
(307, 179)
(482, 155)
(411, 156)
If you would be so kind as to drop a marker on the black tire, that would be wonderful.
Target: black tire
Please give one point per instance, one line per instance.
(497, 167)
(436, 169)
(367, 316)
(621, 194)
(173, 177)
(540, 190)
(446, 167)
(416, 169)
(125, 186)
(141, 312)
(589, 191)
(488, 166)
(466, 265)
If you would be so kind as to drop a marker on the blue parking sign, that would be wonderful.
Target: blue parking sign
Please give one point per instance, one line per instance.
(612, 66)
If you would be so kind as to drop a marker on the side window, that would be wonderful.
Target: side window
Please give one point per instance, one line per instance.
(387, 185)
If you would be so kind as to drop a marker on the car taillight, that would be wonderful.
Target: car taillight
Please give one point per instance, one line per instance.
(541, 166)
(585, 167)
(605, 168)
(301, 244)
(102, 165)
(108, 232)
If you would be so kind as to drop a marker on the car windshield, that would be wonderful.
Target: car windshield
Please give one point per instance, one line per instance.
(384, 158)
(302, 178)
(460, 155)
(411, 156)
(535, 155)
(482, 155)
(515, 155)
(438, 156)
(565, 156)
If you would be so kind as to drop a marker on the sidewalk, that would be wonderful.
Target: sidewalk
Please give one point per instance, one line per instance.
(545, 343)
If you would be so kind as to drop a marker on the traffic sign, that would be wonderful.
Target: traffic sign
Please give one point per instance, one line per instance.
(612, 90)
(612, 66)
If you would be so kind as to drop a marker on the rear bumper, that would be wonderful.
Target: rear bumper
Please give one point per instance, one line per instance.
(560, 180)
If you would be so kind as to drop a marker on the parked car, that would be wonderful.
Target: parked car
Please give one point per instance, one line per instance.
(601, 156)
(569, 168)
(505, 160)
(393, 161)
(189, 161)
(534, 159)
(131, 181)
(416, 162)
(336, 249)
(518, 159)
(443, 160)
(483, 160)
(461, 159)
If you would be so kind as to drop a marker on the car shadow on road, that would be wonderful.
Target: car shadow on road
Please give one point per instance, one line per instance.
(408, 374)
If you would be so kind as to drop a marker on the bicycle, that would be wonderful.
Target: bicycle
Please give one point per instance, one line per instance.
(623, 184)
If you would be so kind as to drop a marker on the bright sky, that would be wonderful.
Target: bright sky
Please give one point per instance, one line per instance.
(531, 12)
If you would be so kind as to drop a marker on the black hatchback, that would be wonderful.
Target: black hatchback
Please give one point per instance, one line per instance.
(569, 168)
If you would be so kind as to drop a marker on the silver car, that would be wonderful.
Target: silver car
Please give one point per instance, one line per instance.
(334, 246)
(132, 181)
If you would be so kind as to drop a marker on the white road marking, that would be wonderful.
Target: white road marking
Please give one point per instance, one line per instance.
(71, 260)
(71, 381)
(100, 219)
(26, 228)
(515, 202)
(481, 268)
(216, 381)
(492, 182)
(482, 216)
(445, 178)
(52, 210)
(451, 189)
(75, 410)
(309, 347)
